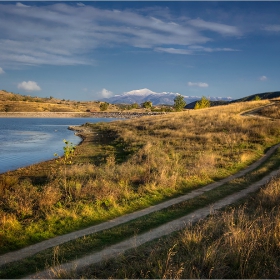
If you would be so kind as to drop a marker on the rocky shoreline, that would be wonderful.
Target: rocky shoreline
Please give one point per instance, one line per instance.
(124, 115)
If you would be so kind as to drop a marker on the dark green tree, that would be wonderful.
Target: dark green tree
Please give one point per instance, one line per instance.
(147, 104)
(179, 103)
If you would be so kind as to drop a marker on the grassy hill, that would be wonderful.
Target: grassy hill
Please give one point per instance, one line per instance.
(129, 165)
(262, 96)
(12, 102)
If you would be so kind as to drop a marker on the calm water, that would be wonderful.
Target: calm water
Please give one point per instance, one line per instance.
(25, 141)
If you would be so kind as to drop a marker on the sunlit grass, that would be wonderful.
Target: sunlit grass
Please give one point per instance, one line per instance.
(94, 242)
(130, 165)
(241, 242)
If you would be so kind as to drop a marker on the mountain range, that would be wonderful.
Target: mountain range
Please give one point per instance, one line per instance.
(162, 98)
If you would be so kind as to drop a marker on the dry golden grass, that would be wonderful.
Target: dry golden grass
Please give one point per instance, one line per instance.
(130, 165)
(272, 111)
(242, 242)
(11, 102)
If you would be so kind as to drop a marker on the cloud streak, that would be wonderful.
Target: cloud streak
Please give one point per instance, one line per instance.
(64, 34)
(200, 84)
(1, 71)
(223, 29)
(263, 78)
(272, 28)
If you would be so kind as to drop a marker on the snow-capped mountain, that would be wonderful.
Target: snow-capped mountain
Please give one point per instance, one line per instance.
(164, 98)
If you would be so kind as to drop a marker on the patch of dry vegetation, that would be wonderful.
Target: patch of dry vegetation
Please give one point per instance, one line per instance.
(272, 111)
(240, 242)
(12, 102)
(130, 165)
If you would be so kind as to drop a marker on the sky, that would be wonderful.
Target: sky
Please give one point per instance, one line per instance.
(94, 49)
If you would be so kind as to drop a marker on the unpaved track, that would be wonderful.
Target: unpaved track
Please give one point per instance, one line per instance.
(33, 249)
(158, 232)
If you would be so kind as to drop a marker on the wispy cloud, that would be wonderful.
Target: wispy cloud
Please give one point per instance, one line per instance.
(1, 71)
(29, 86)
(64, 34)
(173, 51)
(208, 49)
(18, 4)
(272, 28)
(200, 84)
(263, 78)
(223, 29)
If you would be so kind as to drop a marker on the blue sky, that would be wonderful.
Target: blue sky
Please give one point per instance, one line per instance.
(89, 50)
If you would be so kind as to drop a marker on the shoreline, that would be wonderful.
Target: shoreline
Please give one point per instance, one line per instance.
(125, 115)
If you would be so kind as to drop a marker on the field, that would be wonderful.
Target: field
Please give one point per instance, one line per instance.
(129, 165)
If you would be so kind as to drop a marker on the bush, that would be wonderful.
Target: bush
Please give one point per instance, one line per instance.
(104, 106)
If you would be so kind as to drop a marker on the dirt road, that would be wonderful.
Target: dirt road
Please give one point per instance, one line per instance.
(175, 225)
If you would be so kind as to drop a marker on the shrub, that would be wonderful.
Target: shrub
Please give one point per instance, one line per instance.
(104, 106)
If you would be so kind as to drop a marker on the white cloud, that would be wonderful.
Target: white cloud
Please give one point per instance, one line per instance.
(29, 86)
(223, 29)
(202, 85)
(1, 71)
(174, 51)
(106, 93)
(18, 4)
(272, 28)
(207, 49)
(263, 78)
(28, 35)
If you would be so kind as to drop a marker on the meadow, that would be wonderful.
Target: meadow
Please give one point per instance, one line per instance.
(128, 165)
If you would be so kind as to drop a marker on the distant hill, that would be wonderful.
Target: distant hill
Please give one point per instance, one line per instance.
(13, 102)
(262, 96)
(265, 95)
(163, 98)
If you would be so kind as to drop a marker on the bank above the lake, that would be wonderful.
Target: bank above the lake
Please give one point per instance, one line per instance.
(126, 115)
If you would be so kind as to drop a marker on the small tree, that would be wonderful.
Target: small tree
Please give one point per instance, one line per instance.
(104, 106)
(203, 103)
(179, 103)
(147, 104)
(256, 98)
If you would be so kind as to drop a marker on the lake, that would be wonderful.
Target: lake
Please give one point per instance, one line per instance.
(25, 141)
